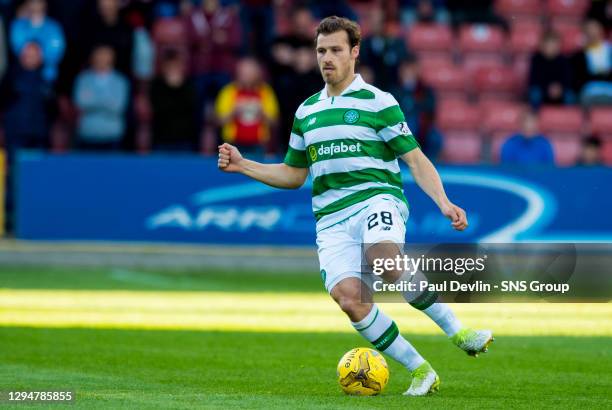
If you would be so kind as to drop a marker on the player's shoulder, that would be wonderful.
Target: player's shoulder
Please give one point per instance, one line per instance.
(307, 104)
(382, 98)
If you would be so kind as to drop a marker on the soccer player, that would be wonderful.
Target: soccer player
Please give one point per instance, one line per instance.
(349, 136)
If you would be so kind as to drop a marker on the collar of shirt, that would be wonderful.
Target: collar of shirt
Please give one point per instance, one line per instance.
(356, 85)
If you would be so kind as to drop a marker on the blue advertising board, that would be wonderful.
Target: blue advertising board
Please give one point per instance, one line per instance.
(187, 199)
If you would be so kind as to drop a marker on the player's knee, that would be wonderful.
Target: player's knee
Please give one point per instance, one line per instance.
(354, 307)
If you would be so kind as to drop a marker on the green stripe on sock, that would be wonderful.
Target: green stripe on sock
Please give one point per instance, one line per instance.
(424, 300)
(385, 340)
(371, 323)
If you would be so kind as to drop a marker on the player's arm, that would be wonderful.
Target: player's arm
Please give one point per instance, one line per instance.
(276, 175)
(428, 179)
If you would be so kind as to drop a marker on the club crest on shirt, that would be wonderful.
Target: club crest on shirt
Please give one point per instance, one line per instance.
(351, 116)
(313, 153)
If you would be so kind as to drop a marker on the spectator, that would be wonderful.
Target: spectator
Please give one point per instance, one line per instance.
(593, 66)
(214, 38)
(303, 26)
(101, 94)
(474, 11)
(29, 95)
(324, 8)
(33, 25)
(549, 74)
(418, 102)
(257, 22)
(107, 26)
(247, 110)
(3, 55)
(528, 147)
(382, 52)
(591, 154)
(304, 81)
(601, 10)
(423, 11)
(174, 103)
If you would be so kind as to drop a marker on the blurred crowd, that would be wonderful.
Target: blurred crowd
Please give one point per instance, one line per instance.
(184, 75)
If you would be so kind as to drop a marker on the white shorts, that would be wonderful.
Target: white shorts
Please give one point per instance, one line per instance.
(383, 218)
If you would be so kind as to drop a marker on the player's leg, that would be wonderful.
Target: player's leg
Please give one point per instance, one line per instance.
(340, 260)
(355, 299)
(385, 233)
(381, 229)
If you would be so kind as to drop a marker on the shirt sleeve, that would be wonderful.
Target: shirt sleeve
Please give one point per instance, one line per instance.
(391, 126)
(296, 153)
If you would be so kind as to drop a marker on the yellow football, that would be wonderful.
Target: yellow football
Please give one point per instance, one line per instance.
(363, 372)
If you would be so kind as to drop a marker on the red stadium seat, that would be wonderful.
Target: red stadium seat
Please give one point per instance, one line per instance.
(432, 61)
(476, 61)
(601, 121)
(520, 65)
(456, 115)
(525, 37)
(498, 81)
(568, 8)
(462, 147)
(564, 127)
(445, 79)
(572, 37)
(607, 150)
(502, 118)
(429, 37)
(561, 121)
(481, 38)
(566, 148)
(497, 141)
(518, 8)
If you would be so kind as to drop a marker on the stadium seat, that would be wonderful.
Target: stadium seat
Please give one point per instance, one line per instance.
(422, 37)
(567, 149)
(433, 61)
(497, 141)
(607, 150)
(518, 8)
(564, 127)
(447, 80)
(457, 115)
(572, 37)
(525, 37)
(501, 118)
(601, 121)
(495, 82)
(473, 62)
(561, 120)
(462, 147)
(568, 8)
(520, 65)
(481, 38)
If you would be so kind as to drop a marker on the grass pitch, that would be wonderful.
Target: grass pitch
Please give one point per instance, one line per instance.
(128, 339)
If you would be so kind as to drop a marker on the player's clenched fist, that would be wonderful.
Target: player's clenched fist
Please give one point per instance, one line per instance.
(229, 158)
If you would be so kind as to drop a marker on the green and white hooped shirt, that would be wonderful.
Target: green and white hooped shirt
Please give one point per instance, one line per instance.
(350, 143)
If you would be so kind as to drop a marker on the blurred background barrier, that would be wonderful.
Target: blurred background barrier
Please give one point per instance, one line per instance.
(160, 198)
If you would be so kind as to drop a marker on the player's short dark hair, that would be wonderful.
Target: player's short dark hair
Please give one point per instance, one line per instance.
(334, 24)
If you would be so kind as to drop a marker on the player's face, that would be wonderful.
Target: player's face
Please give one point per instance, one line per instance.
(335, 57)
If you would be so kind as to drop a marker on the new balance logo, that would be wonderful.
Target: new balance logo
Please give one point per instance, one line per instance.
(312, 121)
(385, 228)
